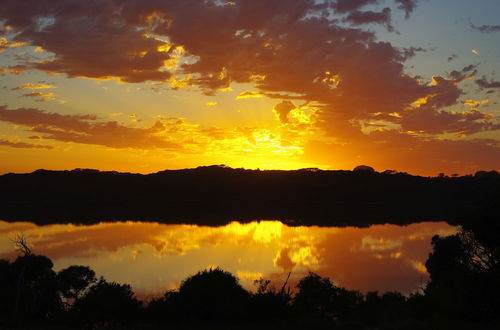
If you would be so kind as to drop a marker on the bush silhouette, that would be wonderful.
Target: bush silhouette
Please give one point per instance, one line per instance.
(268, 303)
(74, 281)
(319, 296)
(465, 274)
(213, 295)
(107, 302)
(35, 288)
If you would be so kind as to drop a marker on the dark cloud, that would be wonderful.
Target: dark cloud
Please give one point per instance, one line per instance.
(427, 117)
(283, 109)
(232, 43)
(486, 28)
(88, 39)
(24, 145)
(87, 129)
(407, 5)
(438, 122)
(366, 17)
(452, 57)
(467, 72)
(484, 83)
(407, 53)
(442, 93)
(350, 6)
(344, 6)
(284, 261)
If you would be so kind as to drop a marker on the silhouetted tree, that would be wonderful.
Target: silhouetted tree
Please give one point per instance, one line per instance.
(314, 295)
(36, 294)
(464, 275)
(388, 308)
(213, 295)
(269, 303)
(73, 282)
(21, 245)
(364, 168)
(107, 302)
(7, 285)
(318, 296)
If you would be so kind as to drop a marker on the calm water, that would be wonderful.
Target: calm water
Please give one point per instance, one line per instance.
(153, 257)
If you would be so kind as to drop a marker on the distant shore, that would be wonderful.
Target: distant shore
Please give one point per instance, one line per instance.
(217, 195)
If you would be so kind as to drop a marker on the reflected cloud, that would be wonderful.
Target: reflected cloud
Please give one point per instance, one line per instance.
(154, 257)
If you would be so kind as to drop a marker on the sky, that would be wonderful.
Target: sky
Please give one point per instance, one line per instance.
(146, 85)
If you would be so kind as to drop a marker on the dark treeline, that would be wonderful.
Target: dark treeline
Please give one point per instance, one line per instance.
(463, 293)
(215, 195)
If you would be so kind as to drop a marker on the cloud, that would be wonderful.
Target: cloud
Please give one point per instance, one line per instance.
(41, 96)
(474, 103)
(24, 145)
(135, 44)
(287, 50)
(486, 28)
(88, 40)
(88, 129)
(407, 5)
(3, 44)
(38, 96)
(467, 72)
(426, 117)
(366, 17)
(344, 6)
(438, 122)
(249, 95)
(17, 69)
(452, 57)
(283, 109)
(33, 86)
(166, 133)
(284, 261)
(484, 83)
(474, 51)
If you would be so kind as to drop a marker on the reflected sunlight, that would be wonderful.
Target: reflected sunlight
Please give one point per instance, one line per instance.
(153, 257)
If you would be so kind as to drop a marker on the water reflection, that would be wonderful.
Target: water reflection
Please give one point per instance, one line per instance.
(153, 257)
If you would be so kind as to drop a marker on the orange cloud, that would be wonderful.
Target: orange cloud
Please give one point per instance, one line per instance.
(42, 96)
(249, 95)
(33, 86)
(24, 145)
(87, 129)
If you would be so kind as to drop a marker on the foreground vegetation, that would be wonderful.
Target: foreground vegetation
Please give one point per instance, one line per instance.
(463, 292)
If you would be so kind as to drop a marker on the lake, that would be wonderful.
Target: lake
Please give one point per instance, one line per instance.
(154, 257)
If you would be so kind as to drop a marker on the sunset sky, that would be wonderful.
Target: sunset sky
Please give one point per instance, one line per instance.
(148, 85)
